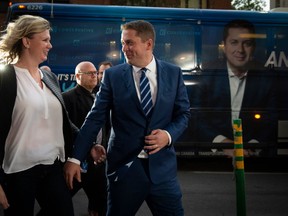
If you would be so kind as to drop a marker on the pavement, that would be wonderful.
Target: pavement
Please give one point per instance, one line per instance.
(207, 192)
(214, 194)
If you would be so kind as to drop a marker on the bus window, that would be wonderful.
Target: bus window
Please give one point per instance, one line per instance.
(175, 44)
(212, 47)
(84, 40)
(87, 40)
(279, 59)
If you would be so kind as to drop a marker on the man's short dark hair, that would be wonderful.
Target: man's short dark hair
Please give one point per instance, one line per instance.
(238, 24)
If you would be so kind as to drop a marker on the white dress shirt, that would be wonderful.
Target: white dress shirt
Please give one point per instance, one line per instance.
(237, 88)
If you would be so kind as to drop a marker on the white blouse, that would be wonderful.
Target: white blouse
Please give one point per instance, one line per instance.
(36, 133)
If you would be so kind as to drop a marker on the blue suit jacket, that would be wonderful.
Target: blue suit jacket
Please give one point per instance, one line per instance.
(118, 95)
(211, 97)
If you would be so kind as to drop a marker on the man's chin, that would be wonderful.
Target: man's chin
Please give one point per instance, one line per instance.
(129, 61)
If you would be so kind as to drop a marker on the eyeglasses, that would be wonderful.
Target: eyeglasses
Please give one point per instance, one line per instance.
(89, 73)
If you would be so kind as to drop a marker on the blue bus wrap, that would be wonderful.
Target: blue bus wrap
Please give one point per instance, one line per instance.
(189, 38)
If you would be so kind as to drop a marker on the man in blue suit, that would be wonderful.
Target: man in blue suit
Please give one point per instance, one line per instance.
(237, 88)
(141, 160)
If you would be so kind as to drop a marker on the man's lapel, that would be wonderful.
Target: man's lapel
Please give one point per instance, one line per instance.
(128, 80)
(161, 80)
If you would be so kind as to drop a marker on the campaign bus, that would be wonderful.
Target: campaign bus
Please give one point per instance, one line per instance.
(193, 40)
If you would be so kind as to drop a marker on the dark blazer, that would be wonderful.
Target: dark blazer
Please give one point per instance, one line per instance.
(78, 102)
(129, 123)
(8, 92)
(212, 101)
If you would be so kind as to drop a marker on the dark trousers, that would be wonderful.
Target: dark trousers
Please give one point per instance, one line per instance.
(94, 185)
(128, 191)
(45, 183)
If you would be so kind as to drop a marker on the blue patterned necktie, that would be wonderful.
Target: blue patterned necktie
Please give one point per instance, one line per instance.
(145, 92)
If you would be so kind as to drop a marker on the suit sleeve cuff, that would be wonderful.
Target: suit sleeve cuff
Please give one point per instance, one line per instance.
(169, 137)
(74, 160)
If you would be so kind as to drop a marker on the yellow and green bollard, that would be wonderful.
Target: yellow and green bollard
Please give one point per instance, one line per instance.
(239, 168)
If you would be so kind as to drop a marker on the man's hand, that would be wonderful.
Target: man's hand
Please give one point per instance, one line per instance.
(71, 170)
(3, 200)
(98, 153)
(156, 141)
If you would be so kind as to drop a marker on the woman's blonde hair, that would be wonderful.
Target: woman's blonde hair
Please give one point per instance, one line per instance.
(11, 40)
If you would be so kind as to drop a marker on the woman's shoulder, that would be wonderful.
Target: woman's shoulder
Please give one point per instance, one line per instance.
(7, 76)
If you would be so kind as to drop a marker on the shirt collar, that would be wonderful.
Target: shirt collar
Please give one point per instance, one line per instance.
(150, 67)
(231, 74)
(41, 74)
(84, 90)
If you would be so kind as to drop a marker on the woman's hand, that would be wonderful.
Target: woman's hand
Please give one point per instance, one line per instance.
(3, 199)
(98, 153)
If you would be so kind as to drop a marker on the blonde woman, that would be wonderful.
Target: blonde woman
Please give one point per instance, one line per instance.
(36, 134)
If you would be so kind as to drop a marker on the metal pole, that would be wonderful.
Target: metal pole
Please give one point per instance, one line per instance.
(239, 168)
